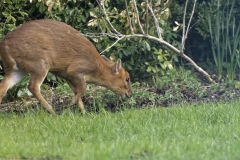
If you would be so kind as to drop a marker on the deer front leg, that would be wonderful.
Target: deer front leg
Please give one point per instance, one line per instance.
(78, 98)
(81, 106)
(78, 86)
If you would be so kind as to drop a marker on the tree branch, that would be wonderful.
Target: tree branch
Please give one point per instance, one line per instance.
(146, 17)
(128, 17)
(184, 21)
(185, 33)
(113, 44)
(190, 20)
(156, 22)
(102, 6)
(137, 15)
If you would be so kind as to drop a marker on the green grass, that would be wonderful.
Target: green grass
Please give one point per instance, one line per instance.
(208, 131)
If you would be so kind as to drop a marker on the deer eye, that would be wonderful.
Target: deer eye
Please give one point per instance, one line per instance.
(127, 79)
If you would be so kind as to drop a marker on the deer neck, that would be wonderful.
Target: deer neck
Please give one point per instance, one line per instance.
(100, 76)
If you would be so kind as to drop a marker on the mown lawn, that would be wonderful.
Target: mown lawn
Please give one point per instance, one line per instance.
(207, 131)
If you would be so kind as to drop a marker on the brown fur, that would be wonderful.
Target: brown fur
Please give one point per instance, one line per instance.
(40, 46)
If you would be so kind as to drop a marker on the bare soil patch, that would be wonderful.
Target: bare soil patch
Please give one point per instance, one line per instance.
(211, 94)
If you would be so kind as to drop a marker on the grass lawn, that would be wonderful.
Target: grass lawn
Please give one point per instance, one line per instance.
(207, 131)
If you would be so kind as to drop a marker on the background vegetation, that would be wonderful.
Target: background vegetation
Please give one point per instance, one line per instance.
(140, 127)
(141, 57)
(213, 41)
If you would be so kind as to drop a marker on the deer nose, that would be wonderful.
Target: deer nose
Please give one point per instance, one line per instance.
(126, 95)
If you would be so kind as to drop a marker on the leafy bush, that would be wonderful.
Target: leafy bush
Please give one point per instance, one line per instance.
(138, 55)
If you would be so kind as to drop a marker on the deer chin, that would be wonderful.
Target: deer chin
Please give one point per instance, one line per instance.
(126, 95)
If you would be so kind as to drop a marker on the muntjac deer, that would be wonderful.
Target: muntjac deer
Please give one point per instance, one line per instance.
(41, 46)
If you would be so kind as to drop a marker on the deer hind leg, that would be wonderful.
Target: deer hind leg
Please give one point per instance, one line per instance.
(78, 86)
(34, 87)
(10, 80)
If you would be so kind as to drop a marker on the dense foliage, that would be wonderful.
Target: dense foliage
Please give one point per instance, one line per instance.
(139, 55)
(143, 58)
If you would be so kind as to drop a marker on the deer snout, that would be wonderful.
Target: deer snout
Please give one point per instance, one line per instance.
(127, 95)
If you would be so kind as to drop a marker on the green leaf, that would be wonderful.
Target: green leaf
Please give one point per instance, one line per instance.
(125, 52)
(154, 70)
(170, 66)
(45, 86)
(158, 51)
(90, 5)
(129, 67)
(175, 57)
(8, 1)
(147, 46)
(163, 65)
(23, 13)
(8, 19)
(13, 19)
(160, 58)
(149, 69)
(31, 10)
(20, 18)
(41, 7)
(117, 45)
(71, 12)
(5, 13)
(83, 19)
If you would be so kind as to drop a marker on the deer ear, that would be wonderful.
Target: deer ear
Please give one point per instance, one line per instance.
(105, 58)
(117, 66)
